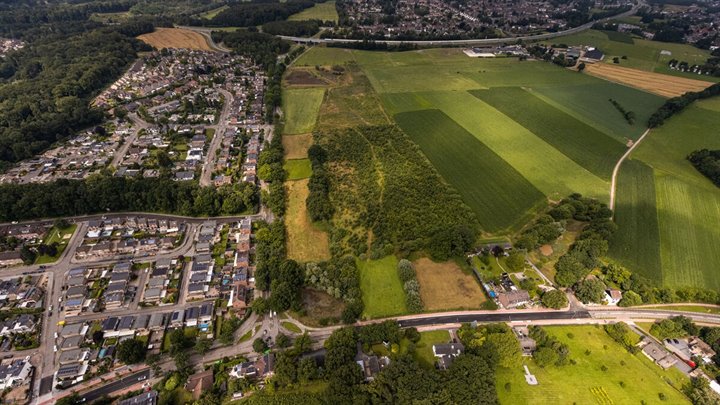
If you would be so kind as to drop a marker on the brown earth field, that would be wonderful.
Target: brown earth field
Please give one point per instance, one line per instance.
(305, 242)
(299, 77)
(318, 305)
(296, 146)
(657, 83)
(176, 38)
(444, 286)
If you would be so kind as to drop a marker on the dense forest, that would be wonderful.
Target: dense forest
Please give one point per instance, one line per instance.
(102, 193)
(707, 162)
(292, 28)
(383, 184)
(45, 87)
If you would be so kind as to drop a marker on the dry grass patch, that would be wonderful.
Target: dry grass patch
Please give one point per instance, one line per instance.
(305, 241)
(660, 84)
(445, 286)
(302, 77)
(318, 305)
(296, 146)
(176, 38)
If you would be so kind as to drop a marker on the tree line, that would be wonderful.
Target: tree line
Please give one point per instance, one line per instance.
(104, 192)
(247, 14)
(677, 104)
(707, 162)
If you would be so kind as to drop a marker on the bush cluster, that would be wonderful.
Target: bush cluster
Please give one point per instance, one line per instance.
(408, 278)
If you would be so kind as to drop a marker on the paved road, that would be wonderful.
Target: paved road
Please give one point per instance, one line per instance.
(209, 164)
(494, 317)
(120, 153)
(109, 388)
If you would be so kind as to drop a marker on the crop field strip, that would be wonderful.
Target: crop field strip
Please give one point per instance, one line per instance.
(320, 11)
(636, 244)
(582, 143)
(657, 83)
(523, 150)
(500, 196)
(305, 242)
(176, 38)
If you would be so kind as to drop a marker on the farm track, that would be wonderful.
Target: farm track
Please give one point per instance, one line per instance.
(616, 170)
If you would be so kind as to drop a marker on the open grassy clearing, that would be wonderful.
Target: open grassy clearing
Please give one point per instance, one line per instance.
(423, 349)
(176, 38)
(323, 56)
(590, 103)
(641, 54)
(382, 291)
(298, 169)
(688, 204)
(301, 107)
(657, 83)
(320, 11)
(521, 149)
(637, 242)
(499, 195)
(296, 146)
(305, 242)
(209, 15)
(582, 143)
(585, 382)
(59, 236)
(444, 286)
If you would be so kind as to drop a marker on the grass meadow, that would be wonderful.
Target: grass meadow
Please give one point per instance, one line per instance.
(320, 11)
(305, 241)
(582, 143)
(301, 107)
(444, 286)
(687, 203)
(59, 236)
(637, 242)
(498, 194)
(585, 382)
(382, 291)
(298, 169)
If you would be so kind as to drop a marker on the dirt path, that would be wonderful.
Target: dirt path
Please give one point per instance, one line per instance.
(613, 183)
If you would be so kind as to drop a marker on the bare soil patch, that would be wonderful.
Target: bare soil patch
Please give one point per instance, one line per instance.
(444, 286)
(319, 305)
(546, 250)
(301, 77)
(176, 38)
(296, 146)
(660, 84)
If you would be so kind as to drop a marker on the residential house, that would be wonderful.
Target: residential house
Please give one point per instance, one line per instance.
(446, 353)
(513, 299)
(199, 383)
(14, 373)
(146, 398)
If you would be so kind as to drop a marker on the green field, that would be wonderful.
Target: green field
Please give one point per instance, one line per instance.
(209, 15)
(585, 382)
(498, 194)
(320, 11)
(635, 215)
(582, 143)
(641, 54)
(59, 236)
(301, 107)
(298, 169)
(382, 291)
(688, 204)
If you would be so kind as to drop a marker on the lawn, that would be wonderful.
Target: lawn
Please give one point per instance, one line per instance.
(305, 240)
(382, 291)
(320, 11)
(636, 244)
(500, 196)
(582, 143)
(524, 151)
(688, 204)
(298, 169)
(291, 327)
(423, 349)
(301, 107)
(585, 382)
(444, 286)
(59, 236)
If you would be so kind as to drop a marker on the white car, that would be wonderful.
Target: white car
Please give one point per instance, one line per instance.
(55, 348)
(56, 335)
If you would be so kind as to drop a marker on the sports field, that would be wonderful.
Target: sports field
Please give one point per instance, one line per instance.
(628, 379)
(657, 83)
(176, 38)
(320, 11)
(687, 203)
(382, 291)
(301, 107)
(444, 286)
(305, 242)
